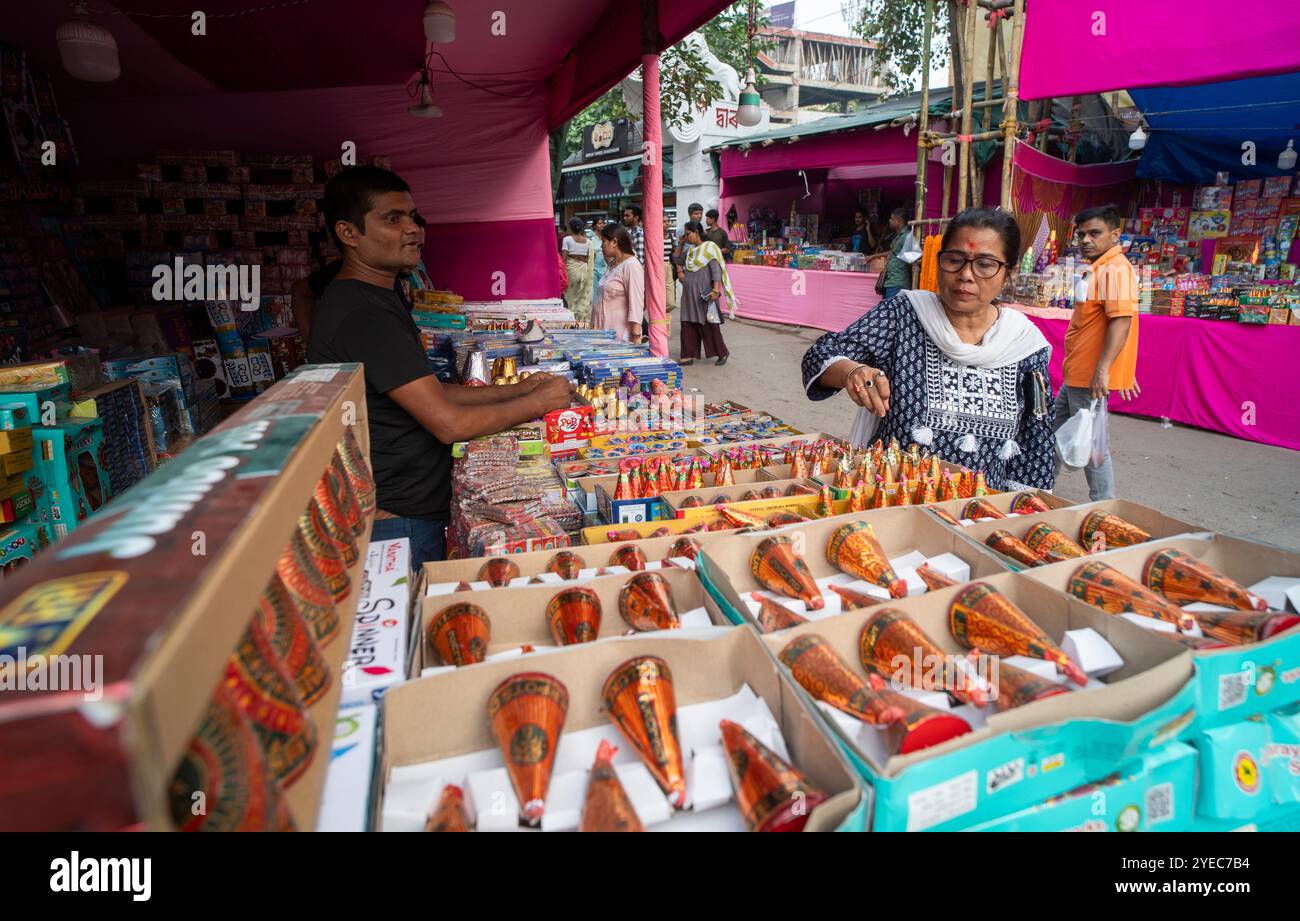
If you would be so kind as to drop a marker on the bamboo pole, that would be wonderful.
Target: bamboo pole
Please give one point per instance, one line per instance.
(968, 86)
(922, 146)
(977, 198)
(977, 136)
(1009, 112)
(1076, 107)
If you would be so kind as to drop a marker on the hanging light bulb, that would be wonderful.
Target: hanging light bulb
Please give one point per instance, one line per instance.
(88, 50)
(751, 104)
(1286, 159)
(439, 23)
(425, 108)
(1138, 139)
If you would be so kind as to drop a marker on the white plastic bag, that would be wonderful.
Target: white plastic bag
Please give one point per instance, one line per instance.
(1100, 436)
(1074, 439)
(911, 251)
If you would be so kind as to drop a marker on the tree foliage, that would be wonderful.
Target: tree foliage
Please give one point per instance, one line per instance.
(898, 29)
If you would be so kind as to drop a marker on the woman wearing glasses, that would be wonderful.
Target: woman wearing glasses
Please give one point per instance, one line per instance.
(954, 372)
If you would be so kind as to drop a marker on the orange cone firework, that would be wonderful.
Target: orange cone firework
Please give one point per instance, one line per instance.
(854, 601)
(574, 616)
(623, 490)
(450, 814)
(880, 496)
(858, 498)
(639, 698)
(622, 534)
(1237, 627)
(646, 603)
(1027, 502)
(748, 496)
(977, 509)
(566, 564)
(854, 549)
(771, 794)
(947, 489)
(1181, 577)
(1009, 545)
(322, 553)
(739, 518)
(1051, 543)
(665, 531)
(773, 616)
(781, 519)
(775, 566)
(821, 672)
(527, 714)
(946, 516)
(966, 484)
(1101, 531)
(1107, 588)
(933, 579)
(980, 487)
(665, 477)
(498, 572)
(358, 471)
(310, 594)
(929, 495)
(265, 693)
(890, 638)
(724, 476)
(686, 547)
(608, 807)
(825, 507)
(630, 556)
(460, 634)
(921, 726)
(984, 618)
(1016, 686)
(799, 489)
(799, 466)
(692, 502)
(1196, 642)
(770, 492)
(292, 641)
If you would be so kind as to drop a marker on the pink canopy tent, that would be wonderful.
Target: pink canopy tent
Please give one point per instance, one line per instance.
(308, 77)
(1090, 46)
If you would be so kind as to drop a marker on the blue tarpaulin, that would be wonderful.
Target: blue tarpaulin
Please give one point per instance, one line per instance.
(1197, 131)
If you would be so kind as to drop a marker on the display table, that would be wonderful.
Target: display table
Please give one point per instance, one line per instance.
(1239, 379)
(804, 297)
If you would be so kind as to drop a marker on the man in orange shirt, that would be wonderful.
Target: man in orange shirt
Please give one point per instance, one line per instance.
(1101, 343)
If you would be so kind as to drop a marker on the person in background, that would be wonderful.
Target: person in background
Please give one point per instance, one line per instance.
(863, 239)
(714, 232)
(413, 418)
(622, 296)
(705, 289)
(632, 221)
(598, 264)
(695, 213)
(1102, 339)
(577, 255)
(898, 274)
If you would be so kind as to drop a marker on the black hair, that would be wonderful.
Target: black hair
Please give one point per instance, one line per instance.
(618, 235)
(695, 206)
(350, 194)
(598, 219)
(900, 214)
(693, 227)
(635, 209)
(576, 225)
(988, 219)
(1107, 213)
(712, 212)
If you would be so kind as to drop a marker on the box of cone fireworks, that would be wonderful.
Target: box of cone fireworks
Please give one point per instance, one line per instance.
(1009, 504)
(43, 403)
(1251, 767)
(1090, 528)
(708, 688)
(753, 496)
(1018, 728)
(348, 799)
(378, 652)
(1252, 663)
(19, 543)
(615, 533)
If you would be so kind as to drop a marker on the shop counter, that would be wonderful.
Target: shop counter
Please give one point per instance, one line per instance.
(803, 297)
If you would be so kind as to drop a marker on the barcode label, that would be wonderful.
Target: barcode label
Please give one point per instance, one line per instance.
(1160, 803)
(1233, 688)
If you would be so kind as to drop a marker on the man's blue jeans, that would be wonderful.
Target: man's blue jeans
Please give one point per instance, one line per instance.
(428, 537)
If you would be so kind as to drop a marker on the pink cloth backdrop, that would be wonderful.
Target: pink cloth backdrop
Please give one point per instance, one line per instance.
(1088, 46)
(1047, 184)
(824, 300)
(849, 148)
(1233, 378)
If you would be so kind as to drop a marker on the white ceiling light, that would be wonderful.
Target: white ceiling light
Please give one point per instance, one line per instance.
(425, 108)
(750, 112)
(439, 23)
(1138, 139)
(88, 50)
(1286, 159)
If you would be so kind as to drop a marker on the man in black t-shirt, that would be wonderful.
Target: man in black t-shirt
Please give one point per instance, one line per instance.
(413, 417)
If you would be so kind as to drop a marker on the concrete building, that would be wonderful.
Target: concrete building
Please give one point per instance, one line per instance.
(816, 69)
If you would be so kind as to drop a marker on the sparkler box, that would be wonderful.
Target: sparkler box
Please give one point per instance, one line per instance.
(1070, 520)
(1012, 760)
(1156, 792)
(518, 615)
(732, 494)
(1232, 683)
(377, 654)
(1249, 768)
(349, 783)
(415, 729)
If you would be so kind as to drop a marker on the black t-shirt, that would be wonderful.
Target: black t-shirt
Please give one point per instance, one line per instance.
(356, 321)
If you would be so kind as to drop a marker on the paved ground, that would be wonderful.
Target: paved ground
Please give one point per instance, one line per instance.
(1235, 487)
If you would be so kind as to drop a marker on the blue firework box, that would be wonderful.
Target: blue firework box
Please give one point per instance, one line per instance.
(1250, 768)
(1238, 681)
(1010, 761)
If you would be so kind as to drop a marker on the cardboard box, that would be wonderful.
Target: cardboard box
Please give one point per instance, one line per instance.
(39, 400)
(1250, 767)
(19, 543)
(1028, 754)
(378, 650)
(1000, 501)
(414, 732)
(349, 783)
(1232, 683)
(15, 462)
(1070, 520)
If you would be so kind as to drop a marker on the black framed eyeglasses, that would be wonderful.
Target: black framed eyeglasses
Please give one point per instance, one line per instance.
(953, 262)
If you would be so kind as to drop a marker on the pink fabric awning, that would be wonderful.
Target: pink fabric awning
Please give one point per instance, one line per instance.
(850, 148)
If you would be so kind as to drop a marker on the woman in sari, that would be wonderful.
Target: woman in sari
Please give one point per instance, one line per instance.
(577, 255)
(622, 294)
(706, 297)
(598, 264)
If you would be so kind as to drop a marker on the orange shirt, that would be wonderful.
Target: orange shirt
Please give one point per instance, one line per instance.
(1113, 292)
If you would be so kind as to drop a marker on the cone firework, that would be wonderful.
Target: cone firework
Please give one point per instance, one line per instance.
(310, 594)
(980, 487)
(842, 478)
(928, 493)
(336, 527)
(1107, 588)
(935, 470)
(945, 516)
(781, 519)
(891, 638)
(1051, 543)
(1195, 642)
(825, 507)
(858, 498)
(748, 496)
(498, 572)
(224, 762)
(773, 616)
(574, 616)
(566, 564)
(854, 549)
(739, 518)
(947, 489)
(854, 601)
(665, 477)
(527, 714)
(649, 488)
(646, 603)
(450, 813)
(1007, 544)
(622, 534)
(608, 807)
(346, 497)
(798, 466)
(821, 672)
(1016, 686)
(977, 509)
(322, 554)
(265, 693)
(1237, 628)
(982, 617)
(292, 641)
(933, 579)
(692, 502)
(358, 471)
(687, 547)
(624, 488)
(460, 634)
(1026, 503)
(771, 795)
(683, 480)
(639, 698)
(724, 476)
(879, 497)
(1101, 531)
(775, 566)
(770, 492)
(920, 726)
(630, 556)
(1181, 577)
(799, 489)
(665, 531)
(697, 476)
